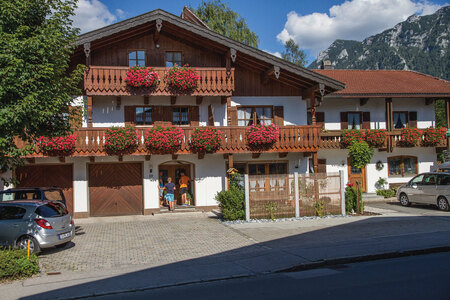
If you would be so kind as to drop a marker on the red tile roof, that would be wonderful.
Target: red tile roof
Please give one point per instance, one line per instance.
(388, 83)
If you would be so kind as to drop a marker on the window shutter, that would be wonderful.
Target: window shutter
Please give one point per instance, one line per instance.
(366, 120)
(130, 115)
(167, 113)
(232, 116)
(344, 120)
(320, 118)
(322, 165)
(278, 115)
(194, 116)
(412, 119)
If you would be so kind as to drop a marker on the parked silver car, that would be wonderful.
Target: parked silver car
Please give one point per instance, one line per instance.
(43, 223)
(426, 188)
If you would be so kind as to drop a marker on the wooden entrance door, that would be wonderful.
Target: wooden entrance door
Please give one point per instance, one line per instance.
(115, 189)
(356, 174)
(174, 172)
(48, 175)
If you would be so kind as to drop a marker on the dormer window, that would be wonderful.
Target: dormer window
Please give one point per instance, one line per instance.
(173, 58)
(136, 58)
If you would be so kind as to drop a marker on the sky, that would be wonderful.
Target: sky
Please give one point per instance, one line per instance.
(314, 25)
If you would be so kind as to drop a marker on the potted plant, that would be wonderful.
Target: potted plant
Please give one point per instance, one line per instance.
(433, 136)
(138, 77)
(262, 135)
(163, 139)
(376, 137)
(410, 137)
(206, 139)
(348, 136)
(182, 79)
(121, 139)
(57, 145)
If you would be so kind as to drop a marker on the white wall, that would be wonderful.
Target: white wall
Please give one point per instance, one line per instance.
(294, 107)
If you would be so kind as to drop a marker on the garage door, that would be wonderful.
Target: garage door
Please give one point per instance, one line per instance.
(48, 175)
(115, 189)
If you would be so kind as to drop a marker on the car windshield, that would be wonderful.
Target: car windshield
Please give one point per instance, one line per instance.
(53, 195)
(51, 210)
(20, 195)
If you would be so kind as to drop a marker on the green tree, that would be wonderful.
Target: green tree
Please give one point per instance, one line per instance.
(36, 86)
(222, 19)
(293, 53)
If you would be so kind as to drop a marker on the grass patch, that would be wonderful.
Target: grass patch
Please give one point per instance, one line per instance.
(15, 265)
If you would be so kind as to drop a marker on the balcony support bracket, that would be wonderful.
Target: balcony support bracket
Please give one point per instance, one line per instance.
(174, 156)
(147, 157)
(201, 155)
(363, 101)
(256, 155)
(282, 154)
(199, 100)
(173, 100)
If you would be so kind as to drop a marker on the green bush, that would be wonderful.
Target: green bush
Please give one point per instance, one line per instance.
(14, 264)
(351, 203)
(386, 193)
(232, 201)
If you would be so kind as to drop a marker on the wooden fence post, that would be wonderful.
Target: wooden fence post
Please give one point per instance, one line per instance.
(296, 197)
(341, 177)
(247, 198)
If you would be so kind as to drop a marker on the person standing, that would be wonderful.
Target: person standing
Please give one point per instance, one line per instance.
(184, 183)
(170, 188)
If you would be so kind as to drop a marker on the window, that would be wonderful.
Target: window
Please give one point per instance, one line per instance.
(429, 179)
(11, 212)
(254, 115)
(173, 58)
(136, 58)
(51, 210)
(400, 119)
(144, 115)
(262, 168)
(443, 179)
(180, 116)
(354, 120)
(402, 166)
(416, 180)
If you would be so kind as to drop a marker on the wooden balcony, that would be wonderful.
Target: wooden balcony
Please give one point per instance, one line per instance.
(332, 140)
(90, 141)
(105, 80)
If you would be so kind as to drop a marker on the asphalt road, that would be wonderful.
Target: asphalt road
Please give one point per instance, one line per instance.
(415, 277)
(414, 209)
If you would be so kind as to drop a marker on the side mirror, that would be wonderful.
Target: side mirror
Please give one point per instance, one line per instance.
(414, 185)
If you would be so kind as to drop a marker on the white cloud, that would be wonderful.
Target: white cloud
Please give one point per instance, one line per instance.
(354, 19)
(276, 53)
(93, 14)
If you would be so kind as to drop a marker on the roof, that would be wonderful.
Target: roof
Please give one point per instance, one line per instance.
(388, 83)
(205, 32)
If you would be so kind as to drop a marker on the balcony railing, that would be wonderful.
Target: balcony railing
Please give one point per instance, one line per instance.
(106, 80)
(90, 141)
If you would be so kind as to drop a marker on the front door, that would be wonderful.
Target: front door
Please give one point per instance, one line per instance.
(174, 172)
(356, 174)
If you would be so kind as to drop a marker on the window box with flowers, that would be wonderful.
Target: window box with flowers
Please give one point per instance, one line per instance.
(58, 145)
(410, 137)
(121, 139)
(206, 139)
(349, 136)
(262, 135)
(182, 79)
(376, 137)
(163, 140)
(142, 77)
(433, 136)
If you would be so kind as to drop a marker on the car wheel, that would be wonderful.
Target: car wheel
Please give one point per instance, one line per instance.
(442, 204)
(404, 200)
(34, 245)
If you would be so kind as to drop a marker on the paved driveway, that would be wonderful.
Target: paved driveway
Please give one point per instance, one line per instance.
(102, 243)
(414, 209)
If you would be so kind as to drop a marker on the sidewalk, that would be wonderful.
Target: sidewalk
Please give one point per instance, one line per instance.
(272, 247)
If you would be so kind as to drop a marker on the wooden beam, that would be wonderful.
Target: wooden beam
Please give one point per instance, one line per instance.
(230, 161)
(447, 111)
(256, 154)
(118, 101)
(31, 160)
(201, 155)
(225, 156)
(223, 100)
(92, 159)
(363, 101)
(309, 92)
(62, 159)
(173, 100)
(146, 100)
(429, 101)
(89, 109)
(282, 154)
(266, 75)
(307, 154)
(147, 157)
(198, 100)
(174, 156)
(120, 157)
(389, 122)
(315, 162)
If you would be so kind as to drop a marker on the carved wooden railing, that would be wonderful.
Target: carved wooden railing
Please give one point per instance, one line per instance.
(90, 141)
(107, 80)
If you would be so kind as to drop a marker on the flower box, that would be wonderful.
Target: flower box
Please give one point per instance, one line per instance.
(376, 137)
(141, 77)
(433, 136)
(410, 137)
(206, 139)
(57, 145)
(163, 139)
(121, 139)
(262, 135)
(182, 79)
(349, 136)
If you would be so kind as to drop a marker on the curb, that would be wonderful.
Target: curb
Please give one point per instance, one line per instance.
(300, 267)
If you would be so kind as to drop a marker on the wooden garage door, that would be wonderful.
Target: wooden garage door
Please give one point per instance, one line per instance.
(48, 175)
(115, 189)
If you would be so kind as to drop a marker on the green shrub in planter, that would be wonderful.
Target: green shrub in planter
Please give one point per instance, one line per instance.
(386, 193)
(232, 203)
(351, 202)
(14, 264)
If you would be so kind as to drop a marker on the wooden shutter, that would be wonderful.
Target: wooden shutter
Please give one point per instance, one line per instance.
(232, 116)
(320, 118)
(366, 120)
(322, 165)
(194, 116)
(167, 112)
(162, 115)
(278, 115)
(344, 120)
(130, 115)
(210, 115)
(412, 119)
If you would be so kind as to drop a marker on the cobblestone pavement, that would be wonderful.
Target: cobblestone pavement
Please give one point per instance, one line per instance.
(143, 240)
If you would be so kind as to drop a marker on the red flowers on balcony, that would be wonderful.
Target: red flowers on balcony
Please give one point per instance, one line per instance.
(410, 137)
(433, 136)
(57, 145)
(206, 139)
(376, 137)
(262, 135)
(373, 137)
(352, 135)
(141, 77)
(183, 79)
(163, 139)
(121, 139)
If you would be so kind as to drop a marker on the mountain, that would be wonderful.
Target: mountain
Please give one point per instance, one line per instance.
(419, 44)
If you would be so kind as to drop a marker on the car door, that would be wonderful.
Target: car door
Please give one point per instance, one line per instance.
(413, 188)
(428, 189)
(12, 224)
(443, 186)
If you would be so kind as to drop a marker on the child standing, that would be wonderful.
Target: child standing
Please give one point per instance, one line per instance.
(170, 188)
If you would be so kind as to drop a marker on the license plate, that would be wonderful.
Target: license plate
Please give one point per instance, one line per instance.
(65, 235)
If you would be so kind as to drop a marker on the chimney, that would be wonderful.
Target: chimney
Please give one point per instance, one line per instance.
(326, 65)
